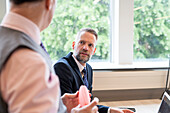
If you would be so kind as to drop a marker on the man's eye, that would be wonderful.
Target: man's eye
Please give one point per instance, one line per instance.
(81, 42)
(90, 45)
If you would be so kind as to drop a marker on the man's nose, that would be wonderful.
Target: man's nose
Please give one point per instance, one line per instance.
(85, 47)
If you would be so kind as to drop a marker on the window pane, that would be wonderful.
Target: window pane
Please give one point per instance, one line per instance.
(151, 29)
(72, 15)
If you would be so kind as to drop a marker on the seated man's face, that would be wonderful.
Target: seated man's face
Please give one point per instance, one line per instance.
(84, 47)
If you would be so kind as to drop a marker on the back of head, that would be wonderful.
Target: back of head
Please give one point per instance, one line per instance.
(18, 2)
(40, 12)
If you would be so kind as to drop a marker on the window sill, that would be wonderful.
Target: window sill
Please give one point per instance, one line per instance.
(134, 66)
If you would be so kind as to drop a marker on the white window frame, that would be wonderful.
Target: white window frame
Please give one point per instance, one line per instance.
(121, 34)
(122, 31)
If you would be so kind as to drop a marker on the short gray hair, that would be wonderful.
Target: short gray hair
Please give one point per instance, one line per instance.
(89, 30)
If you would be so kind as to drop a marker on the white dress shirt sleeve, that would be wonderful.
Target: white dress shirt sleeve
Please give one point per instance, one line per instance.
(26, 84)
(108, 111)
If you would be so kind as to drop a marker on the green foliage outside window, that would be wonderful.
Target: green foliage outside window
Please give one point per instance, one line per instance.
(151, 29)
(73, 15)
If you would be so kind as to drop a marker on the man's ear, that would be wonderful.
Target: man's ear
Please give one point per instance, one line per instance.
(94, 51)
(48, 4)
(73, 44)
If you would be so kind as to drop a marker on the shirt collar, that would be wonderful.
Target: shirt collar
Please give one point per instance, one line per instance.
(18, 22)
(78, 64)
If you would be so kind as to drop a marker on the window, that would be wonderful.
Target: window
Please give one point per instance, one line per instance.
(129, 31)
(3, 8)
(72, 15)
(151, 29)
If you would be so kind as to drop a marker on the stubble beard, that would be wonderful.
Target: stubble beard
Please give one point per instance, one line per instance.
(78, 57)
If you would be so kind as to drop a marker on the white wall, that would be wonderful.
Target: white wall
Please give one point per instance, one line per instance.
(119, 80)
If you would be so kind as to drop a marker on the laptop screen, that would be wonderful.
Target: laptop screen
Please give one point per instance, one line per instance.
(165, 104)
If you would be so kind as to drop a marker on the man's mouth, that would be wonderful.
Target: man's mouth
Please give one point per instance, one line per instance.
(84, 54)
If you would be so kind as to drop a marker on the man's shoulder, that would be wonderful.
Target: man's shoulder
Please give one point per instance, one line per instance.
(65, 60)
(88, 66)
(62, 65)
(61, 62)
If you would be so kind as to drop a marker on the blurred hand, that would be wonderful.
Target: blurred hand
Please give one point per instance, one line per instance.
(90, 108)
(127, 111)
(90, 96)
(115, 110)
(70, 100)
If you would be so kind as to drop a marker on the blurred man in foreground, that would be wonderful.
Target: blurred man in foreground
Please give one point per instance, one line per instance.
(27, 80)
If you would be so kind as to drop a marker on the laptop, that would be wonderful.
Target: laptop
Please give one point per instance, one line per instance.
(165, 104)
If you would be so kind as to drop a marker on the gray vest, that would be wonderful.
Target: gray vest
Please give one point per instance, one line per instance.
(11, 40)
